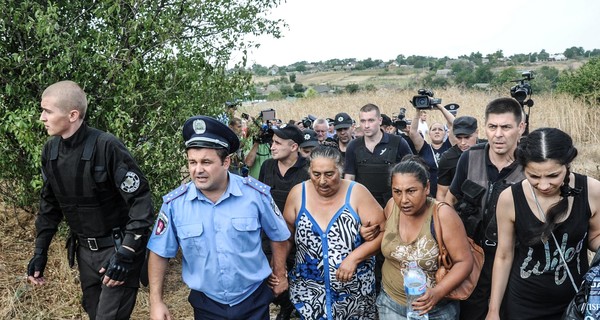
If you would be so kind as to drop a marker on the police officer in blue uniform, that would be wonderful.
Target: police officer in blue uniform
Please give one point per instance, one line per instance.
(216, 220)
(92, 181)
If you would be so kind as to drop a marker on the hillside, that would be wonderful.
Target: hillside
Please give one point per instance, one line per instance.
(398, 77)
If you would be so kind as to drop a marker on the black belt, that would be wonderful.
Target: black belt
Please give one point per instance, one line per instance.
(95, 244)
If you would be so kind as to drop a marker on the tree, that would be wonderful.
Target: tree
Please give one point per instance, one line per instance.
(286, 90)
(292, 77)
(146, 66)
(298, 87)
(352, 88)
(584, 83)
(574, 52)
(543, 55)
(259, 70)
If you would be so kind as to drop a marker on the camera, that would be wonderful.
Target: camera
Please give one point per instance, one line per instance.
(522, 89)
(400, 122)
(425, 100)
(265, 135)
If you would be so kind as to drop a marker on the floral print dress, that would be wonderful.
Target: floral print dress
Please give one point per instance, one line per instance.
(314, 289)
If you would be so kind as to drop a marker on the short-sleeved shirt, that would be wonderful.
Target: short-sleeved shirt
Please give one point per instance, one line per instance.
(380, 148)
(431, 157)
(447, 165)
(221, 242)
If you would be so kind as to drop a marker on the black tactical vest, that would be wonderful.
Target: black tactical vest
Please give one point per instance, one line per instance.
(84, 188)
(477, 172)
(373, 170)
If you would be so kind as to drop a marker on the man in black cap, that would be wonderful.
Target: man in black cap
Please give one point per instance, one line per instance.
(92, 181)
(387, 125)
(331, 129)
(283, 171)
(216, 220)
(310, 142)
(343, 129)
(465, 130)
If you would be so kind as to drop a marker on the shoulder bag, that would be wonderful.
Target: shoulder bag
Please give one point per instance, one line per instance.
(465, 288)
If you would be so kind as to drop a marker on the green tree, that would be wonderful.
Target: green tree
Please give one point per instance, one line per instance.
(286, 90)
(574, 52)
(259, 70)
(543, 55)
(352, 88)
(292, 77)
(146, 66)
(583, 83)
(298, 87)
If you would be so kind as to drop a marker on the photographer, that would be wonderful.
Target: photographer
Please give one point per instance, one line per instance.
(431, 152)
(261, 136)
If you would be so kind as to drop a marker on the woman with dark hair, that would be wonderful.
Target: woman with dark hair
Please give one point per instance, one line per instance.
(408, 237)
(333, 276)
(551, 217)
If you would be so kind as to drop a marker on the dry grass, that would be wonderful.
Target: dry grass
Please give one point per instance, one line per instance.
(563, 112)
(59, 299)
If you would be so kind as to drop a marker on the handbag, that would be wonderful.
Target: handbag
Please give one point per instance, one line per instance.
(465, 288)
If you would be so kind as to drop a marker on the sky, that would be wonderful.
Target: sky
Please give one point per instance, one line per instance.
(319, 30)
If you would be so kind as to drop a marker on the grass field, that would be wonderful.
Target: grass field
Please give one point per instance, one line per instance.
(59, 299)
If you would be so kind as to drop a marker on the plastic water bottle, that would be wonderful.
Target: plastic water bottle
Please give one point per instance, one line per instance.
(415, 285)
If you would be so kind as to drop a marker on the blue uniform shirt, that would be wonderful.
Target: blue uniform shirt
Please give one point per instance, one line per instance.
(221, 242)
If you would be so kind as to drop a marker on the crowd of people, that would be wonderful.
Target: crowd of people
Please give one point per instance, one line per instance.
(322, 216)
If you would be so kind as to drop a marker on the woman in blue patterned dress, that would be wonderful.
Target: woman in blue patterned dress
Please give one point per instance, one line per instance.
(333, 276)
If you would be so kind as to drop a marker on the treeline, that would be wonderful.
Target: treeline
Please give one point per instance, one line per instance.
(496, 59)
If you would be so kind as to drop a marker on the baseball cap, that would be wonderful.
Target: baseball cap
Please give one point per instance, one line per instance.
(464, 125)
(310, 139)
(289, 133)
(342, 121)
(386, 120)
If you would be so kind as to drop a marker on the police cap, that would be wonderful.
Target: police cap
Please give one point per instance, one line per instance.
(207, 132)
(342, 121)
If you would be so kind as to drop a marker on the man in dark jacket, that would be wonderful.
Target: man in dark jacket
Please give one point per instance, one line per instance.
(91, 180)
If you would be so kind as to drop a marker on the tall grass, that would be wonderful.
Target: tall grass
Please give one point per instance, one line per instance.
(582, 122)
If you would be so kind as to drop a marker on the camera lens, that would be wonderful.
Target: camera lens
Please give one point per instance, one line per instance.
(520, 94)
(421, 102)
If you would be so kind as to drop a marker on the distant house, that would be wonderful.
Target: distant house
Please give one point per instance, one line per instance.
(481, 85)
(444, 73)
(450, 62)
(557, 57)
(274, 70)
(393, 65)
(323, 89)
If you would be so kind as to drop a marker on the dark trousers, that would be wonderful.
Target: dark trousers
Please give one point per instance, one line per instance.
(255, 307)
(476, 307)
(99, 301)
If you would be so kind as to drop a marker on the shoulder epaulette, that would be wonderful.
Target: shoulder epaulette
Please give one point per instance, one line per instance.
(174, 194)
(257, 185)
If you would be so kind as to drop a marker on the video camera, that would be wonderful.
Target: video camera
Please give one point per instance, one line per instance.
(522, 93)
(401, 122)
(424, 100)
(307, 121)
(522, 89)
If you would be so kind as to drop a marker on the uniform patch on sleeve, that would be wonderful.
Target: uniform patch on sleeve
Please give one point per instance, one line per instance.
(131, 182)
(275, 208)
(161, 224)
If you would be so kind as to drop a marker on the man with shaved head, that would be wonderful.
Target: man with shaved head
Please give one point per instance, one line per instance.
(91, 180)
